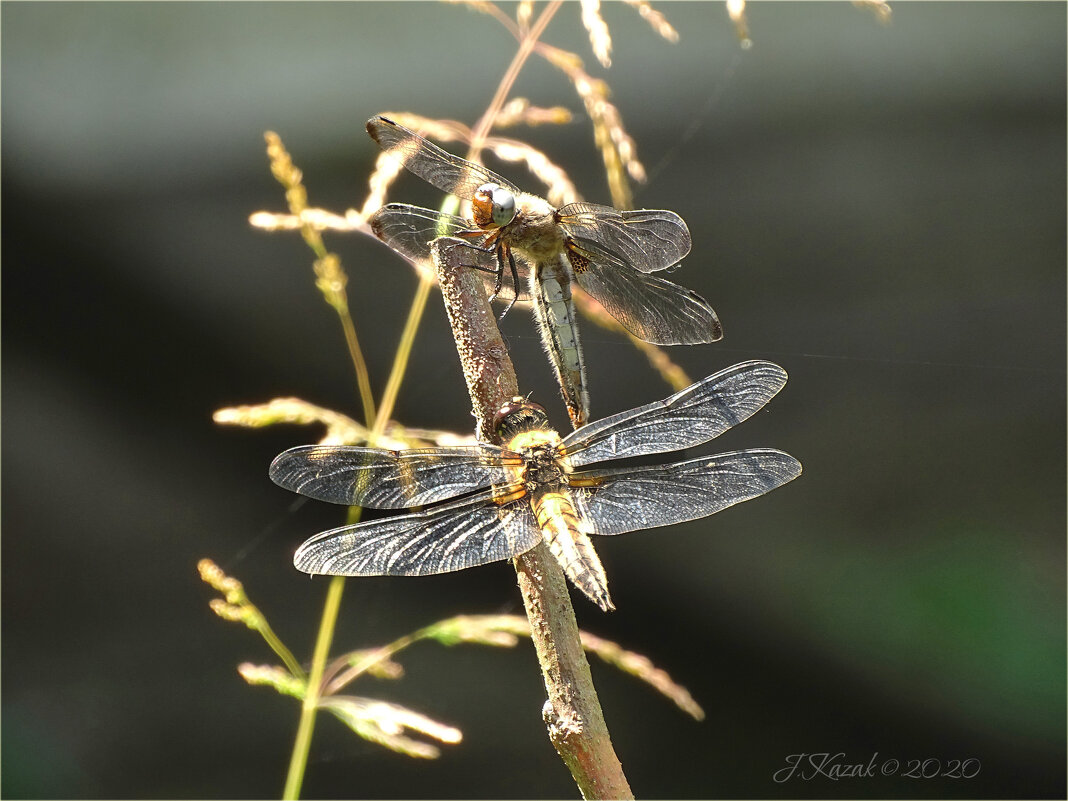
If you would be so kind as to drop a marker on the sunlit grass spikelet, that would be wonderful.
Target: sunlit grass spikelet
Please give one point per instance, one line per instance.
(519, 111)
(736, 11)
(618, 151)
(273, 676)
(523, 14)
(559, 188)
(485, 629)
(600, 39)
(238, 608)
(340, 428)
(375, 662)
(320, 219)
(880, 8)
(235, 614)
(384, 723)
(230, 588)
(640, 666)
(382, 176)
(655, 19)
(482, 6)
(330, 279)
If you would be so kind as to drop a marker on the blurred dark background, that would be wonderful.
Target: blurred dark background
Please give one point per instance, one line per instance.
(878, 208)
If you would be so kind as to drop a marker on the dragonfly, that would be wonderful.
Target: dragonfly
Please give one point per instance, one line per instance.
(611, 254)
(491, 502)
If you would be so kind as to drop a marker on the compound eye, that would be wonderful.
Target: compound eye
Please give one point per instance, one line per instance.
(492, 206)
(503, 206)
(508, 410)
(516, 416)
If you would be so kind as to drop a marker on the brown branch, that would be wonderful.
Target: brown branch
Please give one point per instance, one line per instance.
(572, 712)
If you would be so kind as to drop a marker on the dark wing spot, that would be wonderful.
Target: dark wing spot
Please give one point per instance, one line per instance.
(579, 263)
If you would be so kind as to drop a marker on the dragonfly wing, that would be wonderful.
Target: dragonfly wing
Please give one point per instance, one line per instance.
(474, 531)
(438, 167)
(383, 479)
(688, 418)
(651, 308)
(646, 239)
(409, 229)
(647, 497)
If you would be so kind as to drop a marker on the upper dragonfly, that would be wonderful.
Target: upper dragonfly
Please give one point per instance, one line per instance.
(494, 502)
(610, 253)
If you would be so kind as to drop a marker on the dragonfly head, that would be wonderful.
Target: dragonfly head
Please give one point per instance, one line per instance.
(492, 206)
(518, 416)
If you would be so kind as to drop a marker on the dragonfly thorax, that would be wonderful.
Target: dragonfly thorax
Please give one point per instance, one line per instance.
(542, 472)
(535, 231)
(523, 428)
(492, 206)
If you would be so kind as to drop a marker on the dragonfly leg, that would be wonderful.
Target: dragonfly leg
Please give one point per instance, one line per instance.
(515, 282)
(459, 243)
(498, 249)
(498, 281)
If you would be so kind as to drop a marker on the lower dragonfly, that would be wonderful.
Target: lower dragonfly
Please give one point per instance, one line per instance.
(495, 502)
(611, 254)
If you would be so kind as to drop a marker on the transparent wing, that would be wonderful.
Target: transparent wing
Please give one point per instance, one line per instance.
(647, 497)
(409, 229)
(384, 479)
(653, 309)
(471, 532)
(646, 239)
(438, 167)
(690, 417)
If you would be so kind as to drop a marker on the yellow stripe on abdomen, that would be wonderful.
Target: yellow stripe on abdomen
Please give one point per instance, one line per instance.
(565, 534)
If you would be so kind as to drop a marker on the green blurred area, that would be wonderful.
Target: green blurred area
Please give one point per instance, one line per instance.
(963, 624)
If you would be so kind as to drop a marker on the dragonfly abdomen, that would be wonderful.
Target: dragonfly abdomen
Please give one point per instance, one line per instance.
(565, 533)
(555, 311)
